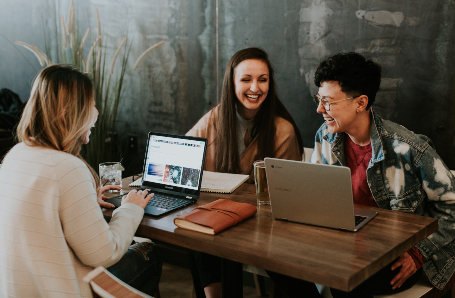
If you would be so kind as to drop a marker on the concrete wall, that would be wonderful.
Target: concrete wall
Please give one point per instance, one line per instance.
(180, 81)
(24, 21)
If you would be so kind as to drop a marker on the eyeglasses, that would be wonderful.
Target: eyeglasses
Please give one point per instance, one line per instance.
(325, 103)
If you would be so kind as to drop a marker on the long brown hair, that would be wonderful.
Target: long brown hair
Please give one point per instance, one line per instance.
(58, 111)
(227, 156)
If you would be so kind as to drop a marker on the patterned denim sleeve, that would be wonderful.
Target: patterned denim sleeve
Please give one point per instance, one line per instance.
(322, 152)
(438, 183)
(316, 156)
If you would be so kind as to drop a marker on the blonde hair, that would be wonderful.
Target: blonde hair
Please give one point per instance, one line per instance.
(58, 111)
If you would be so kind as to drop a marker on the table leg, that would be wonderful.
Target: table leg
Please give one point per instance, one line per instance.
(232, 279)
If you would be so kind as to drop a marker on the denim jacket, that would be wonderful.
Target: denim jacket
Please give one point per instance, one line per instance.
(405, 174)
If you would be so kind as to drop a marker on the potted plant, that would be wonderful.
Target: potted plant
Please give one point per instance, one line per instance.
(107, 80)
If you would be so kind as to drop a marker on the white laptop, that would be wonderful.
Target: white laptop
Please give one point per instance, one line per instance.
(314, 194)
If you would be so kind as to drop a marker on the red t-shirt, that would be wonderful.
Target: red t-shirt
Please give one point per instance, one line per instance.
(357, 159)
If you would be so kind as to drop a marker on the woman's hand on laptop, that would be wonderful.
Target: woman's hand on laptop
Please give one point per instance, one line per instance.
(101, 197)
(138, 197)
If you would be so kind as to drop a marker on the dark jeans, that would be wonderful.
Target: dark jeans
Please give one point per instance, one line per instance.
(205, 270)
(140, 268)
(290, 287)
(378, 284)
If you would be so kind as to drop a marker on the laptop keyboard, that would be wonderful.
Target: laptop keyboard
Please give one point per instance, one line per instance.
(359, 219)
(167, 202)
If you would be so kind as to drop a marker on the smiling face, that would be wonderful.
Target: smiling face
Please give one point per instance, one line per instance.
(251, 79)
(343, 116)
(86, 135)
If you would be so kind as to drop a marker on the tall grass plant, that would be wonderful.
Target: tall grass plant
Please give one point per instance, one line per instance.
(107, 79)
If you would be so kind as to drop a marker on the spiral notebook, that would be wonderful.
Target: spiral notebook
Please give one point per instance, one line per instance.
(221, 182)
(213, 182)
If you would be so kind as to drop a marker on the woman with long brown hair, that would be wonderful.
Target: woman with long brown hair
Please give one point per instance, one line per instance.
(52, 230)
(249, 124)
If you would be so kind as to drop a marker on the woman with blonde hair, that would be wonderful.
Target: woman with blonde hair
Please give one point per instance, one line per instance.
(52, 230)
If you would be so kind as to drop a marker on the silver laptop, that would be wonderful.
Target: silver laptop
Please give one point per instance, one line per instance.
(314, 194)
(172, 171)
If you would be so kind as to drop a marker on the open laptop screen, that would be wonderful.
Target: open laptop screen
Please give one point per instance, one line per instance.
(174, 163)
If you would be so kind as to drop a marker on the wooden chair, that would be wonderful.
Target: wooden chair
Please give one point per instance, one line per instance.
(259, 276)
(106, 285)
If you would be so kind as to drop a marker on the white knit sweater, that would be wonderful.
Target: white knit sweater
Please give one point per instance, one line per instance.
(52, 230)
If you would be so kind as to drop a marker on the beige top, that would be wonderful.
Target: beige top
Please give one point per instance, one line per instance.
(52, 230)
(286, 143)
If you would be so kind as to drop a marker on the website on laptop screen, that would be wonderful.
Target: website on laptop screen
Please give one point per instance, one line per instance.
(174, 162)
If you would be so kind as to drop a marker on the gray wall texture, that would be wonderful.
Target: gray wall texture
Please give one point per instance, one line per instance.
(413, 40)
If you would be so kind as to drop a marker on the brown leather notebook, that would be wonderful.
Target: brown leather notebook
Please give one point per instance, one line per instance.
(215, 217)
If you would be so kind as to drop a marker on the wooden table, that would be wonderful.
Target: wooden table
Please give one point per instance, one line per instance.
(334, 258)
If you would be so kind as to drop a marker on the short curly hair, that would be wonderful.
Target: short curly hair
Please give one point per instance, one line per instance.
(355, 74)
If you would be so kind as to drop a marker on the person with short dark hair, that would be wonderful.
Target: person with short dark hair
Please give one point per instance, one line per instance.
(354, 73)
(391, 168)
